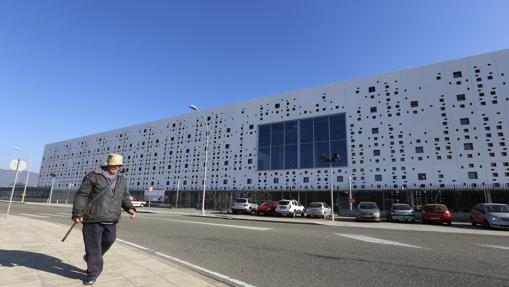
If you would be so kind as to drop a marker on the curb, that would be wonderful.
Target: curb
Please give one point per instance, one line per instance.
(254, 219)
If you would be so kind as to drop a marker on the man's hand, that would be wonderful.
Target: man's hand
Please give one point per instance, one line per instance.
(132, 213)
(78, 219)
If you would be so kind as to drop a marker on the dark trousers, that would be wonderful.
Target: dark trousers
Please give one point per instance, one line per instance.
(98, 239)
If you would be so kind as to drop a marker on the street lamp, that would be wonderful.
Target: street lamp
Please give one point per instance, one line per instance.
(52, 182)
(195, 108)
(28, 176)
(335, 157)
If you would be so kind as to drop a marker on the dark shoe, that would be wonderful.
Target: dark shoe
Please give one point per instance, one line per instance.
(89, 280)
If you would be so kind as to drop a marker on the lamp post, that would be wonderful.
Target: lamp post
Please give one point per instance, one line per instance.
(26, 180)
(334, 158)
(17, 165)
(51, 190)
(195, 108)
(350, 203)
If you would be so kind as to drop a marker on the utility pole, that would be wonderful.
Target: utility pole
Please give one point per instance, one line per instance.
(334, 158)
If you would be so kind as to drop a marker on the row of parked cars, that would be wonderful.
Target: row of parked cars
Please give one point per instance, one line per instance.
(284, 207)
(486, 214)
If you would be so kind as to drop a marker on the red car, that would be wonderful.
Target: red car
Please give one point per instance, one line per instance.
(436, 213)
(268, 207)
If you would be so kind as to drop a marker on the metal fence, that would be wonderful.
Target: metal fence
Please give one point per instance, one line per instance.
(457, 199)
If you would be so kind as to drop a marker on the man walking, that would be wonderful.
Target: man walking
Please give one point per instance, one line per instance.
(107, 192)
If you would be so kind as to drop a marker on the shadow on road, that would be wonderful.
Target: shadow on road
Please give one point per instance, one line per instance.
(38, 261)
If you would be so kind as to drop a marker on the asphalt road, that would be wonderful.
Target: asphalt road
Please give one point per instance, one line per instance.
(281, 254)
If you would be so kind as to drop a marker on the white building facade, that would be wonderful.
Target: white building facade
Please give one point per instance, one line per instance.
(434, 126)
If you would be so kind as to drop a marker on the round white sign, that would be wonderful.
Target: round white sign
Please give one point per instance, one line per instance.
(21, 167)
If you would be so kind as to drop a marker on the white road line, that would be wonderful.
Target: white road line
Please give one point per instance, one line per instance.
(204, 270)
(224, 277)
(134, 245)
(56, 215)
(494, 246)
(33, 215)
(217, 224)
(377, 240)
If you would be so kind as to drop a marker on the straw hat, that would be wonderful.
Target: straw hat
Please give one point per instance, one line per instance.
(114, 159)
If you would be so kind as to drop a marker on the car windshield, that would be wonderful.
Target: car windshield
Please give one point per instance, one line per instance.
(267, 203)
(240, 200)
(368, 205)
(434, 208)
(401, 207)
(284, 202)
(315, 204)
(498, 208)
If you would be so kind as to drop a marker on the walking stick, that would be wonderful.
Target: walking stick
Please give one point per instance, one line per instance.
(85, 213)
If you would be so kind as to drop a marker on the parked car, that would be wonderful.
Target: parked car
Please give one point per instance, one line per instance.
(268, 207)
(436, 213)
(490, 215)
(243, 205)
(136, 202)
(318, 209)
(289, 208)
(401, 212)
(367, 210)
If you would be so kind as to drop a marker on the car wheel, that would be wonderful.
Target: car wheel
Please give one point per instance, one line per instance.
(473, 223)
(449, 222)
(486, 224)
(142, 205)
(309, 216)
(302, 214)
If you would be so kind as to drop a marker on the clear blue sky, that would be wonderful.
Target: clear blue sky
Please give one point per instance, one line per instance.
(73, 68)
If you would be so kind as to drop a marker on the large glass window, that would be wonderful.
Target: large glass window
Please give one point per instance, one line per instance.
(321, 126)
(277, 134)
(306, 131)
(291, 158)
(291, 133)
(277, 157)
(306, 155)
(264, 136)
(299, 144)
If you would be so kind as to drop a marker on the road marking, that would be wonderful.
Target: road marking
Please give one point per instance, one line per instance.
(494, 246)
(55, 215)
(377, 240)
(217, 224)
(134, 245)
(205, 270)
(33, 215)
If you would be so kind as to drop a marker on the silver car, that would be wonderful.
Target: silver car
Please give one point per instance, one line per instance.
(367, 210)
(495, 215)
(401, 212)
(318, 209)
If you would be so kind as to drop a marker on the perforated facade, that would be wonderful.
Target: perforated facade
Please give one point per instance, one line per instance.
(438, 125)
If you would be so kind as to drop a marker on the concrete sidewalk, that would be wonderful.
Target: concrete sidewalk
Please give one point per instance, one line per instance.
(32, 254)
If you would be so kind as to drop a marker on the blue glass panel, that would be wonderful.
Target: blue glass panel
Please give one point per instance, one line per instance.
(277, 157)
(321, 148)
(337, 127)
(306, 155)
(291, 159)
(291, 133)
(264, 158)
(306, 131)
(278, 133)
(340, 148)
(321, 128)
(264, 136)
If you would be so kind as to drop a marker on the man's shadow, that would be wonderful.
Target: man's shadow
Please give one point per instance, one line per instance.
(38, 261)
